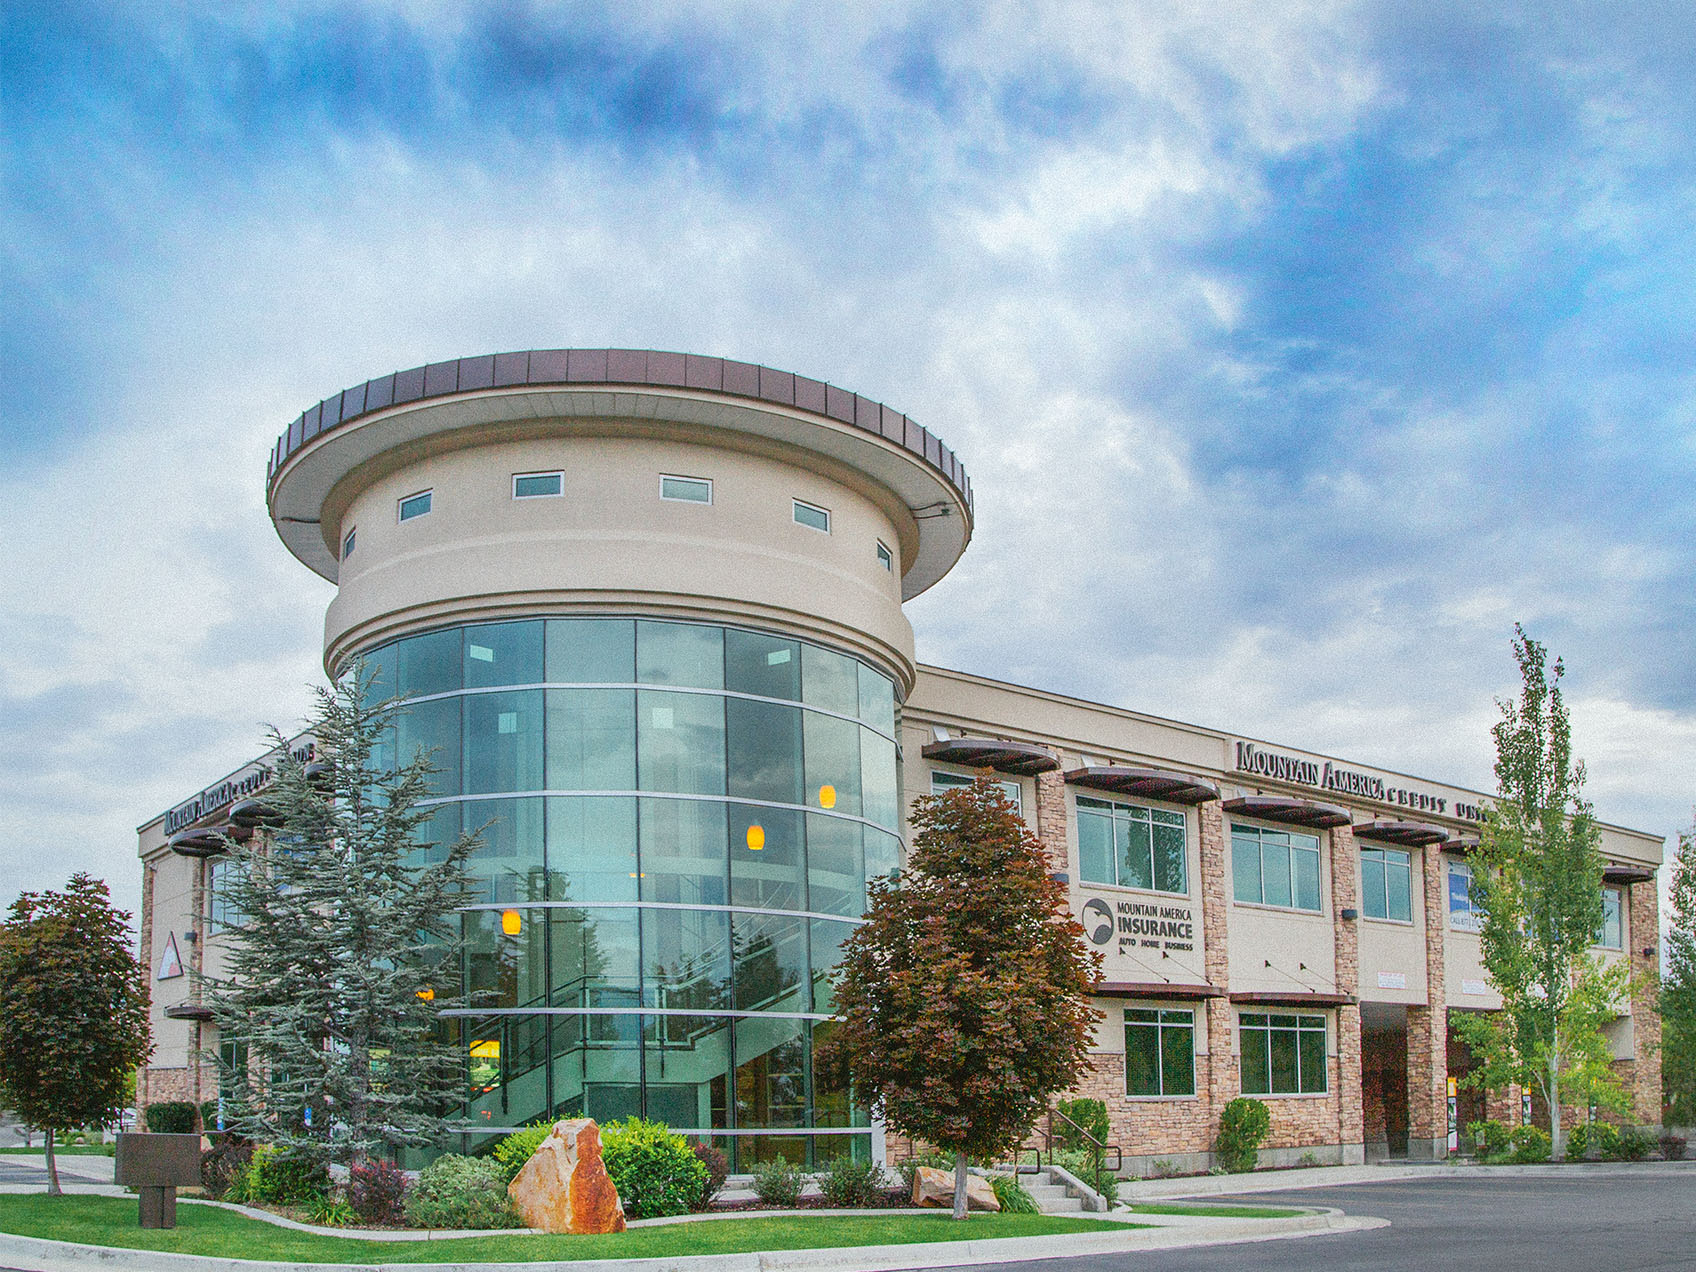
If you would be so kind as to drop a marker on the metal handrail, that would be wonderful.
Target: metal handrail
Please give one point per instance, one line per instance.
(1098, 1148)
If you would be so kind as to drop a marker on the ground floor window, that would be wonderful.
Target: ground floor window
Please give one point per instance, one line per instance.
(1159, 1052)
(1282, 1055)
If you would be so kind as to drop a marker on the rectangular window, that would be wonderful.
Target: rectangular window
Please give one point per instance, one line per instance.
(1275, 867)
(221, 910)
(686, 489)
(885, 557)
(1386, 884)
(1130, 846)
(813, 517)
(347, 545)
(1464, 915)
(537, 485)
(940, 782)
(415, 505)
(1159, 1052)
(1612, 935)
(1282, 1055)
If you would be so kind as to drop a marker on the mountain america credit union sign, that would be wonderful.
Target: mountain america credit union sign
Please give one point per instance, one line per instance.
(1327, 776)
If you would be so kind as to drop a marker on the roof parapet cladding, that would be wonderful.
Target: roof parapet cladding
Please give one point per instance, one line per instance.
(572, 367)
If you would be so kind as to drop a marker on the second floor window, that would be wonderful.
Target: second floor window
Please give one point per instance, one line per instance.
(1386, 884)
(1130, 846)
(1275, 867)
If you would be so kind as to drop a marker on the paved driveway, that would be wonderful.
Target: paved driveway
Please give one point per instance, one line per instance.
(1635, 1219)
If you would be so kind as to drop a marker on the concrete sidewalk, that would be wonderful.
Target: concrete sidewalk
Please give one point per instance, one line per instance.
(1203, 1186)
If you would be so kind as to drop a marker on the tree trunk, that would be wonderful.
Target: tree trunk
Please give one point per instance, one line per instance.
(959, 1185)
(1557, 1145)
(53, 1189)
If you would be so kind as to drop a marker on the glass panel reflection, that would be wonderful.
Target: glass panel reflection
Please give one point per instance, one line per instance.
(429, 663)
(507, 864)
(878, 780)
(586, 651)
(835, 866)
(591, 739)
(680, 654)
(502, 969)
(680, 742)
(433, 729)
(758, 663)
(877, 700)
(827, 938)
(503, 654)
(684, 858)
(832, 763)
(686, 959)
(503, 742)
(771, 1074)
(688, 1070)
(764, 749)
(829, 680)
(592, 848)
(770, 962)
(766, 858)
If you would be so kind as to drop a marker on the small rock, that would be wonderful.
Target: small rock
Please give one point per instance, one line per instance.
(565, 1186)
(932, 1187)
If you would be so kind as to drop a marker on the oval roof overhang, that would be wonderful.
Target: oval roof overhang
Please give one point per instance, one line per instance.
(342, 432)
(1150, 783)
(1022, 759)
(1294, 812)
(1404, 834)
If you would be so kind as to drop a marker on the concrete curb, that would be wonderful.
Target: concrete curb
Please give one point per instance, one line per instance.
(1351, 1176)
(40, 1255)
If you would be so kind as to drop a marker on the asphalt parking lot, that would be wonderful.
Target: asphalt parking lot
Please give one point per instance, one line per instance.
(1639, 1218)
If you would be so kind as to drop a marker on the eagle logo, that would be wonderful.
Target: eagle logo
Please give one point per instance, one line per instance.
(1098, 921)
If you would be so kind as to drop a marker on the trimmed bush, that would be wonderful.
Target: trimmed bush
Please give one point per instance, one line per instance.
(1672, 1147)
(1241, 1130)
(655, 1171)
(519, 1147)
(279, 1177)
(222, 1164)
(376, 1191)
(209, 1116)
(1633, 1145)
(1012, 1195)
(170, 1117)
(1492, 1138)
(848, 1183)
(778, 1182)
(460, 1192)
(718, 1170)
(1592, 1139)
(1088, 1113)
(1530, 1144)
(333, 1213)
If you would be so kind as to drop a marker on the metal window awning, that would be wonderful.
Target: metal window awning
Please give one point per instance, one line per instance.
(1404, 834)
(1021, 759)
(189, 1011)
(1156, 989)
(1291, 998)
(1150, 783)
(1624, 872)
(205, 841)
(1461, 844)
(1294, 812)
(250, 814)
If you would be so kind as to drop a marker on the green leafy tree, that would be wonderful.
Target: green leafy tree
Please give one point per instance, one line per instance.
(964, 997)
(1538, 877)
(347, 949)
(73, 1010)
(1678, 991)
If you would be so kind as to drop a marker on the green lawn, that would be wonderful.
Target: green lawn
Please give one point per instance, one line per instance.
(64, 1150)
(208, 1230)
(1216, 1212)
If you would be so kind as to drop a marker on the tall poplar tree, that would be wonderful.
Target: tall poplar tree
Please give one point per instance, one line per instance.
(346, 949)
(964, 996)
(1538, 876)
(73, 1010)
(1678, 991)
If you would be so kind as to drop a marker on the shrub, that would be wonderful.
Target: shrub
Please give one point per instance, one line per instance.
(209, 1116)
(655, 1171)
(718, 1169)
(1530, 1144)
(1633, 1144)
(1672, 1147)
(847, 1183)
(1081, 1163)
(935, 1160)
(1087, 1113)
(1241, 1129)
(519, 1147)
(460, 1192)
(222, 1164)
(778, 1182)
(170, 1117)
(1492, 1138)
(277, 1176)
(376, 1190)
(1164, 1168)
(1012, 1195)
(1592, 1139)
(1308, 1159)
(333, 1213)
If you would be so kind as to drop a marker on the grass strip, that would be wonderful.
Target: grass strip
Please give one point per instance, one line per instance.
(64, 1150)
(1216, 1212)
(208, 1230)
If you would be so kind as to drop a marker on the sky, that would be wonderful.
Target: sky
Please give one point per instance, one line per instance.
(1296, 351)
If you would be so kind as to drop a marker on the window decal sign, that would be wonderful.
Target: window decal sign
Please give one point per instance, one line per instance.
(170, 962)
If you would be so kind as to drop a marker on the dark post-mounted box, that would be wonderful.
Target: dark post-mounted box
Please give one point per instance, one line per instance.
(157, 1165)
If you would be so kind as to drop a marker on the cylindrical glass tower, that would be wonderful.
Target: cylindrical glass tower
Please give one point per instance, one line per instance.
(643, 611)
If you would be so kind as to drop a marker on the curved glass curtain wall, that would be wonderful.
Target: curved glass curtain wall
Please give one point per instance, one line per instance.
(680, 820)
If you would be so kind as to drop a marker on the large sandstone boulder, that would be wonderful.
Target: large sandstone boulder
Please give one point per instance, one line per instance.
(565, 1186)
(932, 1187)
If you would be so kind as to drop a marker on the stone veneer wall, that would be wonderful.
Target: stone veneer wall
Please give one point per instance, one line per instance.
(1428, 1028)
(1644, 934)
(1221, 1083)
(1350, 1123)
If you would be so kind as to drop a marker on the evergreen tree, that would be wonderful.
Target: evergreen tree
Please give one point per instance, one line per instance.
(347, 949)
(73, 1010)
(1678, 992)
(964, 996)
(1538, 876)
